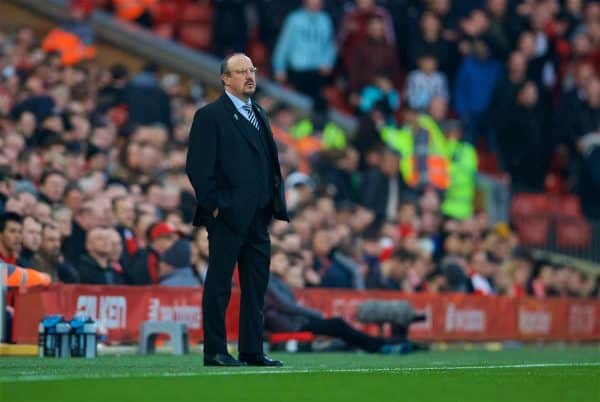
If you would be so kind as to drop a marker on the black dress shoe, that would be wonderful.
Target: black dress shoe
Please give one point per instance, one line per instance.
(260, 360)
(222, 360)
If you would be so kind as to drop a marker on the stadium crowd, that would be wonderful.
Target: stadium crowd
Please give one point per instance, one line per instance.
(93, 186)
(477, 61)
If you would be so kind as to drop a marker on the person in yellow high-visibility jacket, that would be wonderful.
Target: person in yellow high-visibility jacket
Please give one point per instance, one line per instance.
(458, 199)
(422, 148)
(332, 136)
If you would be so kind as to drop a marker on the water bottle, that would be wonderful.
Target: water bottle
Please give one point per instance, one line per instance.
(77, 336)
(63, 334)
(83, 337)
(47, 337)
(90, 339)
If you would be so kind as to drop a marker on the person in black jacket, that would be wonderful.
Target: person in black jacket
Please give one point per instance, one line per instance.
(283, 313)
(382, 187)
(94, 266)
(233, 166)
(144, 267)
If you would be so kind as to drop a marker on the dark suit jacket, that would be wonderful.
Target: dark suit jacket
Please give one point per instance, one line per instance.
(376, 191)
(222, 162)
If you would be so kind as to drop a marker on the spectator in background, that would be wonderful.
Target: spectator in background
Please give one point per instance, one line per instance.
(462, 157)
(124, 213)
(430, 41)
(380, 96)
(230, 30)
(176, 266)
(305, 51)
(475, 83)
(356, 26)
(137, 11)
(144, 267)
(11, 235)
(526, 134)
(505, 95)
(86, 218)
(383, 187)
(147, 103)
(94, 265)
(31, 242)
(372, 54)
(425, 83)
(52, 188)
(50, 259)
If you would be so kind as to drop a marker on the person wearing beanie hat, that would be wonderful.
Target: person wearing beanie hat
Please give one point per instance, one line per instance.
(176, 266)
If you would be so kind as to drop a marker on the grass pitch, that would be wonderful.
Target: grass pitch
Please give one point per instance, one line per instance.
(544, 374)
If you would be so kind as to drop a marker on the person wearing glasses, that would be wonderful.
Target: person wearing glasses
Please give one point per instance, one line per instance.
(233, 166)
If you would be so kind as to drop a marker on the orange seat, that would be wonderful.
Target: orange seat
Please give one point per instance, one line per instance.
(197, 12)
(336, 99)
(196, 36)
(566, 206)
(573, 233)
(164, 30)
(527, 204)
(533, 231)
(165, 12)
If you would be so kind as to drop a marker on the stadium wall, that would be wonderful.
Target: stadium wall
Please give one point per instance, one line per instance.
(450, 317)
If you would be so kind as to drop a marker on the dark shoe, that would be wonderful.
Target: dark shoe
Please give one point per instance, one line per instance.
(222, 360)
(260, 360)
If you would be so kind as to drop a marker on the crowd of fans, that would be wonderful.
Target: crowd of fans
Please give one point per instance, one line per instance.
(477, 61)
(93, 190)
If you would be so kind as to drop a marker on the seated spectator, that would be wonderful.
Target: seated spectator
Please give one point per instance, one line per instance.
(31, 242)
(11, 235)
(283, 313)
(383, 187)
(144, 267)
(50, 260)
(481, 274)
(175, 266)
(95, 266)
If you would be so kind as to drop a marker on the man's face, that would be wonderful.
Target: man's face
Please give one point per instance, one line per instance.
(32, 234)
(125, 212)
(51, 241)
(240, 79)
(162, 243)
(12, 236)
(54, 187)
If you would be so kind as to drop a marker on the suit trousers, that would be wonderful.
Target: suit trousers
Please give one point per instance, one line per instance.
(252, 252)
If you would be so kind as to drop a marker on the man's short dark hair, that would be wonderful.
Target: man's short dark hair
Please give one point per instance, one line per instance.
(225, 62)
(49, 173)
(8, 216)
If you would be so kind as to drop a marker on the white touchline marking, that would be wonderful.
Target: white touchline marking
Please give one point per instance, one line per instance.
(244, 371)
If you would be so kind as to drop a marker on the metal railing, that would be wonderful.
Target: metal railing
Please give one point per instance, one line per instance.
(569, 236)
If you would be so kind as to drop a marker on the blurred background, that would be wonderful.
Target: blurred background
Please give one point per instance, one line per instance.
(429, 146)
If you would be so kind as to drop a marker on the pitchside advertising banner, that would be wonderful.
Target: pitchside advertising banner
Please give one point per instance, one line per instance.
(120, 310)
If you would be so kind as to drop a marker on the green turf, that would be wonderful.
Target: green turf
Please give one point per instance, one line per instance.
(548, 374)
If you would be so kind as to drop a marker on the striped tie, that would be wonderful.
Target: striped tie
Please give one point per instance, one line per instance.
(251, 116)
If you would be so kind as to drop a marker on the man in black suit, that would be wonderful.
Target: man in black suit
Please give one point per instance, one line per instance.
(233, 166)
